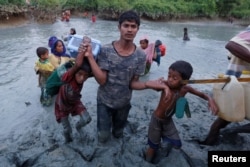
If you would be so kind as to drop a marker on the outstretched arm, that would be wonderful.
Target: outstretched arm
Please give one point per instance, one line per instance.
(211, 103)
(151, 84)
(158, 84)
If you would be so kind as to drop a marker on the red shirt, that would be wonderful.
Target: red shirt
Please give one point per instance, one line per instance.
(68, 100)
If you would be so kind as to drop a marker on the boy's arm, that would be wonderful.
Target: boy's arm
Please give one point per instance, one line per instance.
(78, 62)
(211, 103)
(151, 84)
(99, 74)
(158, 84)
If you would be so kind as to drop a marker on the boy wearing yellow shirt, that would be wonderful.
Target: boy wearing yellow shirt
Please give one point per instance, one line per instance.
(43, 68)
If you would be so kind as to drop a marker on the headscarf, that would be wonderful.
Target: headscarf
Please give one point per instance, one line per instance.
(52, 40)
(144, 37)
(53, 49)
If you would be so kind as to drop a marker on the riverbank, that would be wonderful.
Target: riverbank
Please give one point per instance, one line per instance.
(15, 21)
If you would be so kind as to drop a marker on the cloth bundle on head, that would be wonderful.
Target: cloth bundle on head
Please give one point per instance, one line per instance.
(239, 45)
(144, 37)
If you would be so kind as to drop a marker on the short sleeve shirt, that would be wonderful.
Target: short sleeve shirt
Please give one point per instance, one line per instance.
(116, 93)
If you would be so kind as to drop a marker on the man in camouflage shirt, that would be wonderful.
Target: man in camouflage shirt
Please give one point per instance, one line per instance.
(119, 66)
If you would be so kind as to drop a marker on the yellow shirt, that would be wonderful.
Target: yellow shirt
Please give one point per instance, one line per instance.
(57, 61)
(44, 66)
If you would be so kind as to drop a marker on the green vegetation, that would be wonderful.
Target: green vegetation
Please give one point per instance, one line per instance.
(152, 9)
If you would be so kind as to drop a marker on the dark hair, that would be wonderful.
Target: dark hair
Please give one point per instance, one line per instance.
(158, 42)
(129, 16)
(41, 51)
(183, 67)
(86, 66)
(73, 30)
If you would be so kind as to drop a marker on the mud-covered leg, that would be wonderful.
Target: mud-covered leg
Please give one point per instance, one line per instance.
(85, 119)
(67, 130)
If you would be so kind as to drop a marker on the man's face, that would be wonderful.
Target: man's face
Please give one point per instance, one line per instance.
(128, 30)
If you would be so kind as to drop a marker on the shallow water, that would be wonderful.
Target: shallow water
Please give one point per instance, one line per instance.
(19, 97)
(18, 82)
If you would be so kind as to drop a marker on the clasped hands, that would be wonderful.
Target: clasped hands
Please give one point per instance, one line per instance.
(85, 48)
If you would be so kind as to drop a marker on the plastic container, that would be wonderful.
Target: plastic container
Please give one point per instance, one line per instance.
(75, 42)
(246, 86)
(230, 100)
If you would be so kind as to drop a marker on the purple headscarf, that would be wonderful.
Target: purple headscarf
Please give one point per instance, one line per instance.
(52, 44)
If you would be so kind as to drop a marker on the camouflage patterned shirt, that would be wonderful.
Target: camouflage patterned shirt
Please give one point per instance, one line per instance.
(116, 93)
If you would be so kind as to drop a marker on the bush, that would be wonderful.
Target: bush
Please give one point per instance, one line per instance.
(242, 14)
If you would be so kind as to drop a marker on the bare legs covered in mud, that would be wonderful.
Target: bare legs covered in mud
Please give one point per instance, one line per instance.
(67, 130)
(155, 155)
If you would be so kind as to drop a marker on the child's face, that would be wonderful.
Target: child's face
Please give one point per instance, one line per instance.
(45, 56)
(143, 44)
(174, 79)
(59, 47)
(81, 76)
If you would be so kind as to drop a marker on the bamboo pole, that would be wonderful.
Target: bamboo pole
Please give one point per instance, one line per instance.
(217, 80)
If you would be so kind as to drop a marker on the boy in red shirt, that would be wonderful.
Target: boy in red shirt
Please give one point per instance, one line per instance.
(68, 100)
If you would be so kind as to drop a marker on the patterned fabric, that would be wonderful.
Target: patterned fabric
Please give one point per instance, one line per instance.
(116, 93)
(54, 81)
(243, 38)
(68, 100)
(236, 66)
